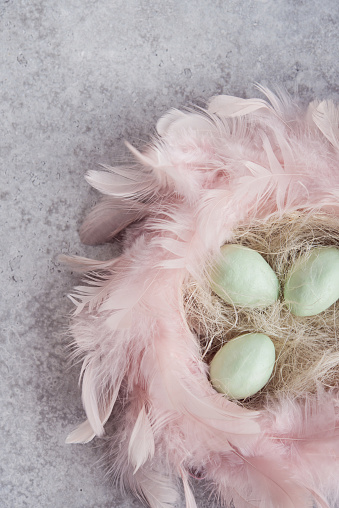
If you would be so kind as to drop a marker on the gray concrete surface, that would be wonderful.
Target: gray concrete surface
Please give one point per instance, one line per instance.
(78, 77)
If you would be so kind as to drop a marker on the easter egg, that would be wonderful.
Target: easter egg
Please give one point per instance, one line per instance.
(312, 284)
(243, 277)
(243, 366)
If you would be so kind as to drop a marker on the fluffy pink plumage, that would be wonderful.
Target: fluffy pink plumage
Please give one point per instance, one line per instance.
(205, 174)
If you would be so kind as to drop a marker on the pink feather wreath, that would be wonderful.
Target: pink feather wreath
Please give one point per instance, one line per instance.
(205, 174)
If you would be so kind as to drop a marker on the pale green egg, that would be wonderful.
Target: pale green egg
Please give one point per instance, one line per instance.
(243, 366)
(243, 277)
(312, 284)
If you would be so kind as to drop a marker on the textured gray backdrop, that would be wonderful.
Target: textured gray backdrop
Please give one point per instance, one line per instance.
(77, 78)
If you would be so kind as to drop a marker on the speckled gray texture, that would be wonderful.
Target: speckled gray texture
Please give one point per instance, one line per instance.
(77, 77)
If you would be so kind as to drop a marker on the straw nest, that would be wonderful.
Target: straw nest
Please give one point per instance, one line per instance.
(307, 352)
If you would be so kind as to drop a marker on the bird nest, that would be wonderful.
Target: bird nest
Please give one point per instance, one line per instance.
(307, 351)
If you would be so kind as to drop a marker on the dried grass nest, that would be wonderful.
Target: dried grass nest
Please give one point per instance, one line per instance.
(307, 351)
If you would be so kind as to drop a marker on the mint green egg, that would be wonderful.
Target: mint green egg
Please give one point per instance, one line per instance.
(312, 284)
(243, 366)
(243, 277)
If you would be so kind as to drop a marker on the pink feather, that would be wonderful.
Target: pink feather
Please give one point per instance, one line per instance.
(205, 174)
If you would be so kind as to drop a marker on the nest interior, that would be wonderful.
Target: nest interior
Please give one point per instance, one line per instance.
(307, 352)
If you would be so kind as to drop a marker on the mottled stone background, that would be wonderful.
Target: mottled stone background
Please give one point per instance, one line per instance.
(77, 78)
